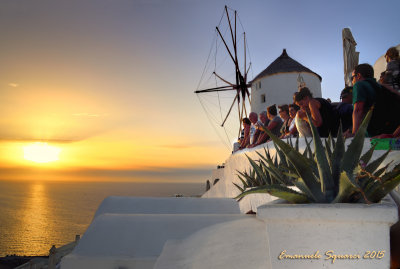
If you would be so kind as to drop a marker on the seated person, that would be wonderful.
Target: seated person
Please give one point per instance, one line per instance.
(284, 115)
(292, 132)
(391, 76)
(275, 122)
(246, 139)
(254, 132)
(367, 93)
(322, 115)
(236, 145)
(263, 137)
(302, 126)
(345, 108)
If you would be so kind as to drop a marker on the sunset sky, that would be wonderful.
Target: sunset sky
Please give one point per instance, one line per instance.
(109, 83)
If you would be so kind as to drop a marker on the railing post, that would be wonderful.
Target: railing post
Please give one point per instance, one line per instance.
(52, 257)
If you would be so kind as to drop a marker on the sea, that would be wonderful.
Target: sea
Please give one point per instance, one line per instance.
(35, 215)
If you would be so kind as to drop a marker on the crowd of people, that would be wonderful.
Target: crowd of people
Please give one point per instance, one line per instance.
(291, 120)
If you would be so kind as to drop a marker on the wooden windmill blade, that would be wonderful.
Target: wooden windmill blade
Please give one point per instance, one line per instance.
(216, 89)
(239, 84)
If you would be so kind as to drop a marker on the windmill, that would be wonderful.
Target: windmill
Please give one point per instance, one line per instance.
(238, 82)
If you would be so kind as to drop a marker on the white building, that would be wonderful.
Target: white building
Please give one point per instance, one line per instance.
(277, 83)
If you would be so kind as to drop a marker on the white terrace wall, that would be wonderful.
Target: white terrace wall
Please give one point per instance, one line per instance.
(239, 162)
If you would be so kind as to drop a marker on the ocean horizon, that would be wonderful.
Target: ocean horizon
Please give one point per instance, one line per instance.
(38, 214)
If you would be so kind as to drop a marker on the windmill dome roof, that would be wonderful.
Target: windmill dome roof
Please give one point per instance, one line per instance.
(284, 64)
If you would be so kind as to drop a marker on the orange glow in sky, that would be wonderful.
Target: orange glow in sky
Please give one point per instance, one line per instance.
(107, 87)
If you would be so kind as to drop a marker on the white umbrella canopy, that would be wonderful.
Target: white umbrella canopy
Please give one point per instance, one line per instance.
(350, 55)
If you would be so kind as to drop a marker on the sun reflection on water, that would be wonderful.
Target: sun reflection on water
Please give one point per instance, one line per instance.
(34, 225)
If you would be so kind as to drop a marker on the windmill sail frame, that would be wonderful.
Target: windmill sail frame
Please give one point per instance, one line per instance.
(240, 84)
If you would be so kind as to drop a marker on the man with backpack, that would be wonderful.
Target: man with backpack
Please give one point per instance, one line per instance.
(367, 93)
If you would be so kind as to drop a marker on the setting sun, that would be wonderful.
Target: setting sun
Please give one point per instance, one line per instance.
(41, 152)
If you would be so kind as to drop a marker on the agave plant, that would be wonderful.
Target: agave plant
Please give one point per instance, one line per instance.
(267, 170)
(330, 174)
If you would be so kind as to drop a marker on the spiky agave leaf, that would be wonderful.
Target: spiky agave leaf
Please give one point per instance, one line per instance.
(267, 154)
(380, 190)
(282, 157)
(363, 178)
(328, 149)
(276, 160)
(310, 157)
(368, 182)
(352, 156)
(284, 164)
(300, 164)
(291, 175)
(308, 149)
(237, 186)
(290, 168)
(268, 177)
(280, 153)
(380, 171)
(256, 168)
(277, 174)
(310, 161)
(327, 186)
(346, 189)
(278, 191)
(337, 155)
(391, 174)
(368, 155)
(253, 177)
(289, 141)
(243, 179)
(299, 183)
(371, 167)
(262, 180)
(328, 155)
(333, 140)
(273, 169)
(247, 180)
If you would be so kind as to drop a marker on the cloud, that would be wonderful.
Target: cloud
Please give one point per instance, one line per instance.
(209, 143)
(152, 172)
(88, 115)
(31, 139)
(175, 146)
(193, 174)
(14, 85)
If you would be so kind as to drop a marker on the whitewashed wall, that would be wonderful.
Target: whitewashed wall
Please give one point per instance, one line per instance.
(279, 89)
(239, 162)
